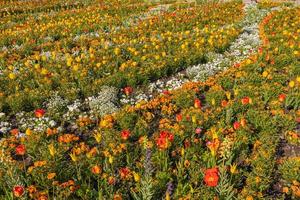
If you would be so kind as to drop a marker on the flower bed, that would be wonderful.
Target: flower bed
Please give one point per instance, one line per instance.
(114, 54)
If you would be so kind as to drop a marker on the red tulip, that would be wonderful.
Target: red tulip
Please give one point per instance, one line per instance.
(39, 113)
(18, 190)
(128, 90)
(197, 103)
(125, 134)
(236, 125)
(281, 97)
(211, 177)
(20, 150)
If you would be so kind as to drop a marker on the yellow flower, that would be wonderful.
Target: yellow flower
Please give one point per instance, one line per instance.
(28, 132)
(30, 169)
(236, 92)
(136, 177)
(73, 157)
(168, 196)
(37, 66)
(51, 149)
(12, 76)
(44, 71)
(98, 137)
(44, 58)
(75, 68)
(292, 84)
(213, 102)
(182, 151)
(228, 95)
(194, 119)
(110, 159)
(265, 74)
(298, 79)
(69, 62)
(233, 168)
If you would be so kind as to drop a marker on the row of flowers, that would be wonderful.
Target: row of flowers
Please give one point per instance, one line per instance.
(245, 44)
(117, 56)
(216, 139)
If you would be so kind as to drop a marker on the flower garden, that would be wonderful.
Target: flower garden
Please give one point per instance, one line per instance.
(149, 100)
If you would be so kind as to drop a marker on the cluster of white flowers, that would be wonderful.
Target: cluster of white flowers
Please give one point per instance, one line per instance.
(56, 104)
(23, 121)
(73, 111)
(105, 103)
(4, 125)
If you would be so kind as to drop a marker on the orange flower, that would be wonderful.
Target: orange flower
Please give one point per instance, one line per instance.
(281, 97)
(224, 103)
(51, 176)
(213, 146)
(246, 100)
(31, 189)
(96, 169)
(14, 131)
(43, 197)
(164, 139)
(18, 191)
(21, 150)
(40, 163)
(67, 138)
(243, 122)
(111, 180)
(211, 177)
(117, 197)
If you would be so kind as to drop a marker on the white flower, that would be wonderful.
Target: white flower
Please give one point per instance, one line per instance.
(2, 114)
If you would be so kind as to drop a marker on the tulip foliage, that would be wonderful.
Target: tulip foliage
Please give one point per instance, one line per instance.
(225, 138)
